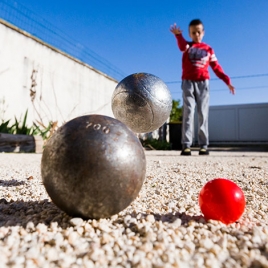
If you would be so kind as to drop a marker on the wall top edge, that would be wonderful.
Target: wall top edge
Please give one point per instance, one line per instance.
(25, 33)
(261, 104)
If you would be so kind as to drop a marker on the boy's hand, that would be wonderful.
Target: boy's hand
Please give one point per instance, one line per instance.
(232, 89)
(175, 30)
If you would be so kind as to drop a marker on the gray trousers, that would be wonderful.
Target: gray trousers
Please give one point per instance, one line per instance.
(195, 93)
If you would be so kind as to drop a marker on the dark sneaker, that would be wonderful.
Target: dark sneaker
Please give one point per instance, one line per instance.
(203, 151)
(186, 151)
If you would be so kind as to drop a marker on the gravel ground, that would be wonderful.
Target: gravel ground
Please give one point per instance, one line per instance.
(163, 227)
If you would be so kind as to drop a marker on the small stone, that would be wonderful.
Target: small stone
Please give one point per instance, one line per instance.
(76, 221)
(30, 226)
(150, 218)
(73, 238)
(207, 243)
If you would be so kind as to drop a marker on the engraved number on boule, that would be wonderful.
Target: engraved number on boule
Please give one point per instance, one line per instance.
(105, 129)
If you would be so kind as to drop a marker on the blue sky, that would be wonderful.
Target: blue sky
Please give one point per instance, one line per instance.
(134, 36)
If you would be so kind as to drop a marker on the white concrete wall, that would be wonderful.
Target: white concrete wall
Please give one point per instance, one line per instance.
(62, 87)
(244, 123)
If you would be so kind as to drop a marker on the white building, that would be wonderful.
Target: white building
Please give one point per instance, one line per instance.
(50, 84)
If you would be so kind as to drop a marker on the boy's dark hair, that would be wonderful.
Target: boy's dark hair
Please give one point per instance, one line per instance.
(195, 22)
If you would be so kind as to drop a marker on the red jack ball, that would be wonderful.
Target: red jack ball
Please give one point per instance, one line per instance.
(223, 200)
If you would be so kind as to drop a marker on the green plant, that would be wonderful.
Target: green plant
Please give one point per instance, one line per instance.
(156, 144)
(176, 112)
(18, 128)
(21, 128)
(46, 132)
(4, 128)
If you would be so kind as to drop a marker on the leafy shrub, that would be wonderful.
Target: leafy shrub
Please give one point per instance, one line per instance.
(4, 128)
(156, 144)
(176, 112)
(18, 128)
(22, 128)
(46, 132)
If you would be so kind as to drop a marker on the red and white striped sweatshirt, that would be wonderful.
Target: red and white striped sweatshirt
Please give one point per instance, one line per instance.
(195, 61)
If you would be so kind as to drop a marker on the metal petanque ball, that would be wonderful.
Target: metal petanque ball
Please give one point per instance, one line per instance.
(93, 167)
(142, 101)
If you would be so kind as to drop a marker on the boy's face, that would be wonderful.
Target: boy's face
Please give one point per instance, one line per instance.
(196, 32)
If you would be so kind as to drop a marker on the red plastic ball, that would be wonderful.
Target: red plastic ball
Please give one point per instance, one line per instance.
(223, 200)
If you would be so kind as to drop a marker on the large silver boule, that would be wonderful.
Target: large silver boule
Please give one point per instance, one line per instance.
(142, 101)
(93, 167)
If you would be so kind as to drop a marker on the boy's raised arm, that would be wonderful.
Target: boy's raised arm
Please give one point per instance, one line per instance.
(175, 29)
(182, 43)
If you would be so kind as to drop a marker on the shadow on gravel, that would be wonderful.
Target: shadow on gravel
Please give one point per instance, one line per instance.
(185, 219)
(177, 220)
(11, 183)
(171, 217)
(20, 213)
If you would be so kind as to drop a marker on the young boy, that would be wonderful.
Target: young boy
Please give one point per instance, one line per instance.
(196, 59)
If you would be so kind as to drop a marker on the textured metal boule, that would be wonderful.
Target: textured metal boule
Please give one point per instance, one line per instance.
(93, 167)
(142, 101)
